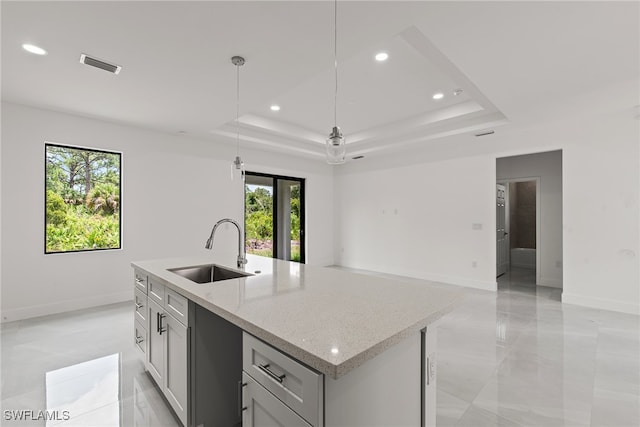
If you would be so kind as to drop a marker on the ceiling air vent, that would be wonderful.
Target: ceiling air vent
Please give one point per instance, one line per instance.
(490, 132)
(85, 59)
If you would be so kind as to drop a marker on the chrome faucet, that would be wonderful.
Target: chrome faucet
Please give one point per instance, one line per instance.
(242, 259)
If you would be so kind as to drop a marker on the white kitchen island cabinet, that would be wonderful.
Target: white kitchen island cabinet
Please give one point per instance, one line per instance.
(165, 340)
(302, 345)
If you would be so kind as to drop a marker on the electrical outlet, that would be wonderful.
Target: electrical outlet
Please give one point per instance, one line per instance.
(476, 226)
(474, 264)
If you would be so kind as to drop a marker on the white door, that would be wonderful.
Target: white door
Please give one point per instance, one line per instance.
(155, 348)
(501, 234)
(175, 374)
(263, 409)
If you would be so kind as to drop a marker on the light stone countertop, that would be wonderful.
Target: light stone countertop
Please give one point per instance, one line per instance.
(331, 320)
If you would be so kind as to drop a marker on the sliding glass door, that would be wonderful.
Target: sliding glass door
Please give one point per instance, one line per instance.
(274, 216)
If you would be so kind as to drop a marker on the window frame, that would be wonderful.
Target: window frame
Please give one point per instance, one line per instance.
(48, 144)
(303, 232)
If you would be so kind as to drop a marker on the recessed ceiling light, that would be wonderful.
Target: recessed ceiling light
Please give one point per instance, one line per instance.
(438, 95)
(382, 56)
(31, 48)
(275, 108)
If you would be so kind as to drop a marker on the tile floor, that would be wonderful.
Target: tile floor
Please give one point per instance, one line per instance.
(517, 357)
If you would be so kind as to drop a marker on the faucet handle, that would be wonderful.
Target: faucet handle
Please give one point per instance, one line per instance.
(241, 261)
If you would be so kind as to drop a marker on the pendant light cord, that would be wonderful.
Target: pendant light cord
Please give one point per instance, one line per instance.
(238, 110)
(335, 57)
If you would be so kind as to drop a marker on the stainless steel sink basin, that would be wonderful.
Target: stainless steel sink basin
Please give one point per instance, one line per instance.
(208, 273)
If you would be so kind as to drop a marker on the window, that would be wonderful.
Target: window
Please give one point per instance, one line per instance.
(82, 199)
(274, 216)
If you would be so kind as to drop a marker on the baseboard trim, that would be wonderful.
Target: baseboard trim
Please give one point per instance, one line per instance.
(485, 285)
(601, 303)
(552, 283)
(22, 313)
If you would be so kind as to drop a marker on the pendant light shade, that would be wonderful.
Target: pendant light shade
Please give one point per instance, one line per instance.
(336, 149)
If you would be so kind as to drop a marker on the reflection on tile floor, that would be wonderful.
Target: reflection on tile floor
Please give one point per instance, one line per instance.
(517, 357)
(83, 362)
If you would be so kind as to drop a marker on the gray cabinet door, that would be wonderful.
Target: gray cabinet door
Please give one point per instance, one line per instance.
(155, 341)
(175, 375)
(263, 409)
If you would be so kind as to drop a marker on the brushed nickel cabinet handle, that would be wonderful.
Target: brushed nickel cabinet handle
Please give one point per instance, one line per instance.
(265, 369)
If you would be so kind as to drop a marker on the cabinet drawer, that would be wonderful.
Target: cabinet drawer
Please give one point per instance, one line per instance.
(140, 306)
(176, 305)
(140, 337)
(261, 408)
(156, 291)
(140, 280)
(299, 387)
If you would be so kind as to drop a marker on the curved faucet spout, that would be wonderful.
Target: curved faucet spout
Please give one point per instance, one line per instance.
(242, 260)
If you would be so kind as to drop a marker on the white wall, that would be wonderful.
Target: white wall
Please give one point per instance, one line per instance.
(444, 186)
(417, 221)
(548, 167)
(174, 189)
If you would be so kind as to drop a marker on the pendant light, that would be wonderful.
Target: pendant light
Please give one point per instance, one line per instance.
(336, 149)
(238, 164)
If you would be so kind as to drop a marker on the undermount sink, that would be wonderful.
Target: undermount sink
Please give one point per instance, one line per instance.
(208, 273)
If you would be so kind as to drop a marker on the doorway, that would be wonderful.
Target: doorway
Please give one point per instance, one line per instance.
(275, 216)
(518, 229)
(532, 218)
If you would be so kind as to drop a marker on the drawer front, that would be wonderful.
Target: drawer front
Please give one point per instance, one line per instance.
(299, 387)
(140, 280)
(156, 292)
(140, 306)
(140, 337)
(261, 408)
(176, 305)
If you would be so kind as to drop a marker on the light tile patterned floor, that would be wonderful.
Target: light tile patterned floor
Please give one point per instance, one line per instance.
(517, 357)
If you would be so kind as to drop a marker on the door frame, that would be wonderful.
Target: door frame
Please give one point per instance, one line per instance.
(506, 182)
(303, 210)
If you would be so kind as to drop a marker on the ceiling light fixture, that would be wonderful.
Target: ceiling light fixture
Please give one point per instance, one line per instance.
(438, 95)
(275, 108)
(382, 56)
(36, 50)
(336, 149)
(238, 164)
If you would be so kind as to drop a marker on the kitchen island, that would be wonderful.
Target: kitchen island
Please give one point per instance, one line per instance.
(331, 347)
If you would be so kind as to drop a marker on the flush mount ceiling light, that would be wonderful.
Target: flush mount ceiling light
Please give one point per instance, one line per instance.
(238, 61)
(275, 108)
(336, 149)
(382, 56)
(36, 50)
(438, 95)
